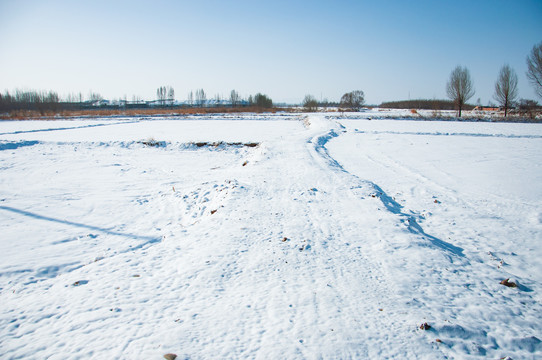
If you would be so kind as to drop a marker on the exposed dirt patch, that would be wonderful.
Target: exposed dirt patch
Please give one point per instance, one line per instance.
(222, 143)
(153, 143)
(508, 283)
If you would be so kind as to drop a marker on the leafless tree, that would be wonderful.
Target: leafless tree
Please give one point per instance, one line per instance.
(165, 94)
(92, 96)
(200, 97)
(459, 88)
(310, 103)
(161, 94)
(534, 68)
(191, 98)
(506, 88)
(234, 98)
(71, 98)
(170, 95)
(353, 101)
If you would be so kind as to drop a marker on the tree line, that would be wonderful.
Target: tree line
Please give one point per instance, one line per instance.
(50, 101)
(41, 101)
(199, 98)
(429, 104)
(459, 89)
(350, 101)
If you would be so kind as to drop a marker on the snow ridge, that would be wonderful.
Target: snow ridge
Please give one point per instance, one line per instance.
(319, 142)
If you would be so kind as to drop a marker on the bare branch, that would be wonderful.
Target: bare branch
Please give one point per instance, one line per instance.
(534, 68)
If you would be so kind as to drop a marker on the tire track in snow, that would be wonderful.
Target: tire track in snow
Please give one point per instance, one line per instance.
(419, 133)
(343, 302)
(450, 294)
(70, 127)
(391, 205)
(442, 266)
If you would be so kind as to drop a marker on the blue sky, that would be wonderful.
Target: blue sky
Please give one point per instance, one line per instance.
(392, 50)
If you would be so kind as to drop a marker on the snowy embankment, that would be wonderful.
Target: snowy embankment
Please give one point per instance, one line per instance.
(333, 238)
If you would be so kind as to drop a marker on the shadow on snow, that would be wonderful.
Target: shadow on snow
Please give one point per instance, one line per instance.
(147, 239)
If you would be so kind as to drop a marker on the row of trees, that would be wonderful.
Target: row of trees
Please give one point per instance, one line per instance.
(351, 101)
(199, 98)
(49, 101)
(429, 104)
(165, 94)
(460, 87)
(41, 101)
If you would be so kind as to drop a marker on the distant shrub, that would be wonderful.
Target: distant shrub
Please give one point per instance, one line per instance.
(528, 108)
(423, 104)
(353, 101)
(310, 103)
(262, 101)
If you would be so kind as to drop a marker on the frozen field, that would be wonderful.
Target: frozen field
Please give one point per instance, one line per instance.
(335, 238)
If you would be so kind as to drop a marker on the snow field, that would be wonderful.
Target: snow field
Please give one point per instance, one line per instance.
(478, 189)
(323, 242)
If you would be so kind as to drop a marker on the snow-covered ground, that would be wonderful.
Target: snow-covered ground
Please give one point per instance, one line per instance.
(335, 238)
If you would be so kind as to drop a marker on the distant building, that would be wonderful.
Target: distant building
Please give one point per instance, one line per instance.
(487, 108)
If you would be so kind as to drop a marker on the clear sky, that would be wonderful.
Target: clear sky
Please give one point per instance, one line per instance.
(392, 50)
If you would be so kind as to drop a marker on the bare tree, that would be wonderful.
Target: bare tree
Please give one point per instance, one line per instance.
(506, 88)
(71, 98)
(190, 99)
(310, 103)
(136, 99)
(218, 99)
(234, 98)
(161, 94)
(165, 95)
(459, 88)
(534, 68)
(200, 97)
(92, 96)
(353, 101)
(170, 95)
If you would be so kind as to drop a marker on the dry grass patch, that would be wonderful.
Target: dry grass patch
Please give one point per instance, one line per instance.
(50, 115)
